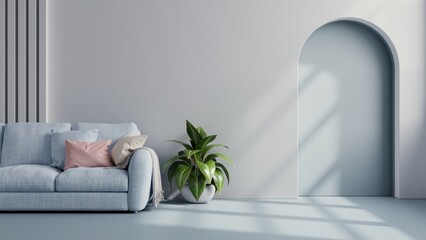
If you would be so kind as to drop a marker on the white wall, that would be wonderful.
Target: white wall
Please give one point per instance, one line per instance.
(230, 66)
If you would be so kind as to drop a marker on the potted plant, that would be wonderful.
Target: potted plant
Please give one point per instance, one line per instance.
(196, 169)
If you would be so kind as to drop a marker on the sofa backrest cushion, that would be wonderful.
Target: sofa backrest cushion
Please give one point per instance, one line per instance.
(29, 143)
(108, 131)
(1, 137)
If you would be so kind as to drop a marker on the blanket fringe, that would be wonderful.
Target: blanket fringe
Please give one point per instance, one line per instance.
(157, 198)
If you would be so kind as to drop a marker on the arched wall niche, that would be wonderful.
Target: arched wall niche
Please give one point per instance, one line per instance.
(395, 96)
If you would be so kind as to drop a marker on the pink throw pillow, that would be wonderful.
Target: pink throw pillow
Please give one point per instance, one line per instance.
(87, 154)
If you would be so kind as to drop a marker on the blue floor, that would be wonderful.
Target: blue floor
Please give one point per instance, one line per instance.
(304, 218)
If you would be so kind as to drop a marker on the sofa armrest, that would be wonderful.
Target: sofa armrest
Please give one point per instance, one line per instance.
(140, 175)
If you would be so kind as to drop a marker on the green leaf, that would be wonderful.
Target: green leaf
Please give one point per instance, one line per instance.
(210, 157)
(197, 184)
(218, 180)
(171, 161)
(182, 174)
(205, 170)
(209, 147)
(201, 131)
(190, 153)
(193, 134)
(207, 140)
(216, 145)
(186, 145)
(212, 168)
(172, 172)
(219, 155)
(184, 158)
(226, 158)
(220, 165)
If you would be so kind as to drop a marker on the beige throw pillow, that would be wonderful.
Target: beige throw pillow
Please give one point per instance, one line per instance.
(124, 147)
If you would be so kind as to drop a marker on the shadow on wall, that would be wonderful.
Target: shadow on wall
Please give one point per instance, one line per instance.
(345, 112)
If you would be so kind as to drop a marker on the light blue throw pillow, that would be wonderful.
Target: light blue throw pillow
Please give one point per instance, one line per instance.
(58, 143)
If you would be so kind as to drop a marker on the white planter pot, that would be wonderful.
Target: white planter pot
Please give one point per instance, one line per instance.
(205, 197)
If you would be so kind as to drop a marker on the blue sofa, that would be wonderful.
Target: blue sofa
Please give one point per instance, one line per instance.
(29, 183)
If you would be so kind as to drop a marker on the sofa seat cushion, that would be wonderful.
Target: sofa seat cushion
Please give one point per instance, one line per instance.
(94, 179)
(28, 178)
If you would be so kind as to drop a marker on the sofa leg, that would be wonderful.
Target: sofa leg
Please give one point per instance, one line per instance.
(135, 211)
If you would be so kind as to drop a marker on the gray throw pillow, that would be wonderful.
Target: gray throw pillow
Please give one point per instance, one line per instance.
(58, 143)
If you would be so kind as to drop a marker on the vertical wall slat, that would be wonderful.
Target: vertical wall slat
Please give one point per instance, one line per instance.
(32, 44)
(11, 61)
(2, 60)
(22, 62)
(42, 78)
